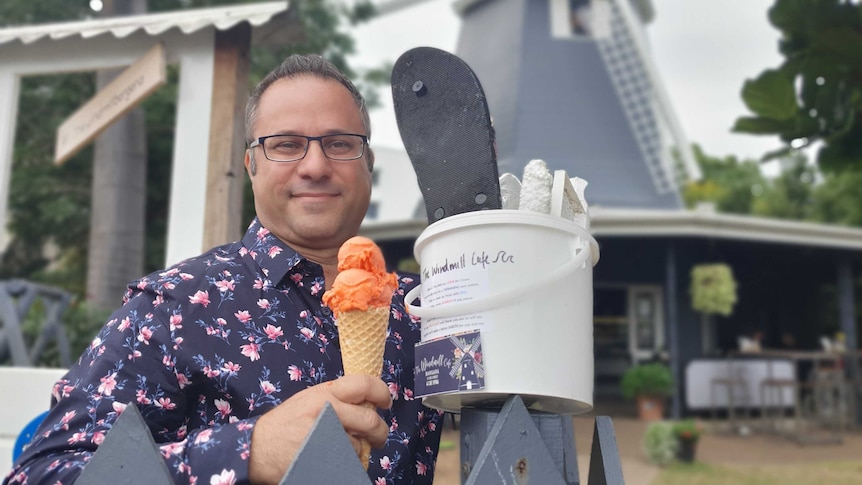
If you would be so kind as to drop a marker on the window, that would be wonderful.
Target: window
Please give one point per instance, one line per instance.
(585, 19)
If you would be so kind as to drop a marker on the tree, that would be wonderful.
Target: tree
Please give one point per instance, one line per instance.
(816, 94)
(49, 207)
(731, 184)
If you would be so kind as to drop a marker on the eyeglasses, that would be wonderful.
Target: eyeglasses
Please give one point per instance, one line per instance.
(290, 148)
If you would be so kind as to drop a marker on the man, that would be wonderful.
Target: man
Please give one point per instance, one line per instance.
(231, 355)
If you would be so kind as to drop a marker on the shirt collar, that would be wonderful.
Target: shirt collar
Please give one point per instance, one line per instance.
(273, 256)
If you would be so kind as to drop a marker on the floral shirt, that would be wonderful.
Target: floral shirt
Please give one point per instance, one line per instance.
(207, 346)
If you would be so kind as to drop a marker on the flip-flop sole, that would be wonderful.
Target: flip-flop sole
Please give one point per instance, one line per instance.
(443, 118)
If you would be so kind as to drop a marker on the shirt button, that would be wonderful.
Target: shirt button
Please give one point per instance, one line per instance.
(327, 311)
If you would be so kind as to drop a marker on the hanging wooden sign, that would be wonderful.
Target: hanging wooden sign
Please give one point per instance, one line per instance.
(116, 99)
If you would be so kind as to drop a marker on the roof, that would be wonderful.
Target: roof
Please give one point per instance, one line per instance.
(188, 21)
(612, 222)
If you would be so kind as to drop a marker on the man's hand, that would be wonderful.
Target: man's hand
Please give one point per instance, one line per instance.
(280, 432)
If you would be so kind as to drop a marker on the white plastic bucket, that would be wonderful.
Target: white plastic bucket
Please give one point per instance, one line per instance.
(524, 281)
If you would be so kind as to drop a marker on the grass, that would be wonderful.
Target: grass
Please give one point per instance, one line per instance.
(846, 473)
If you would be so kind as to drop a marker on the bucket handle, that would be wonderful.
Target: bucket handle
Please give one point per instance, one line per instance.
(497, 299)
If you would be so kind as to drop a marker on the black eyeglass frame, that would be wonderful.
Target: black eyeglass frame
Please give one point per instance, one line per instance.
(259, 143)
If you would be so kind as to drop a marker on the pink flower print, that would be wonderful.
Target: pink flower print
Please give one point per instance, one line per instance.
(294, 372)
(267, 387)
(108, 384)
(315, 288)
(98, 438)
(243, 251)
(394, 426)
(176, 322)
(380, 481)
(125, 324)
(230, 367)
(141, 397)
(421, 468)
(396, 314)
(407, 280)
(172, 448)
(145, 335)
(158, 300)
(182, 380)
(169, 286)
(186, 276)
(432, 426)
(225, 285)
(169, 272)
(393, 391)
(226, 477)
(385, 463)
(67, 390)
(408, 394)
(250, 351)
(273, 332)
(323, 339)
(221, 322)
(210, 372)
(306, 332)
(67, 417)
(223, 407)
(296, 278)
(166, 403)
(303, 314)
(262, 233)
(200, 298)
(203, 436)
(134, 355)
(273, 251)
(243, 316)
(318, 321)
(263, 303)
(77, 438)
(95, 343)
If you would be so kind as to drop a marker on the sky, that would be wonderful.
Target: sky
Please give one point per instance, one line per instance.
(704, 51)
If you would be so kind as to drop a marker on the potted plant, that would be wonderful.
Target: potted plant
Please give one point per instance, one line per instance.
(713, 292)
(687, 433)
(648, 385)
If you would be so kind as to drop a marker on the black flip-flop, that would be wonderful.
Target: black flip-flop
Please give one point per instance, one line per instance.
(445, 125)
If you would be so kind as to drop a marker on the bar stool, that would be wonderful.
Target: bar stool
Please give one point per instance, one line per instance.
(733, 382)
(775, 388)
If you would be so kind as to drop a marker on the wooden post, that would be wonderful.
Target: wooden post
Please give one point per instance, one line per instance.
(227, 136)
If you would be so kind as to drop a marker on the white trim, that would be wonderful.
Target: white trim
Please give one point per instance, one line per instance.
(187, 21)
(663, 223)
(657, 292)
(657, 223)
(664, 104)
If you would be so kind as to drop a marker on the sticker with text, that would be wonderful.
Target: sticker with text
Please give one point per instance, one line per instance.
(449, 364)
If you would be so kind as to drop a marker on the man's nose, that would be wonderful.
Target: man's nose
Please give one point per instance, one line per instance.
(315, 165)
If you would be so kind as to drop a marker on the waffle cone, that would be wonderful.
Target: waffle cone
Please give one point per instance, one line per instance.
(363, 339)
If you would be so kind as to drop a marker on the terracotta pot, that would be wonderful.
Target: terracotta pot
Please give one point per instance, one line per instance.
(687, 449)
(650, 408)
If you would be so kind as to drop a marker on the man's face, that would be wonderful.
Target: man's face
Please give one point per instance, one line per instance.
(313, 203)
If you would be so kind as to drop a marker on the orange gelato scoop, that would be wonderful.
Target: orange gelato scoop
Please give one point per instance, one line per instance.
(362, 280)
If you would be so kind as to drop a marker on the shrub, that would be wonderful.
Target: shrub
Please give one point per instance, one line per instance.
(660, 443)
(647, 380)
(688, 429)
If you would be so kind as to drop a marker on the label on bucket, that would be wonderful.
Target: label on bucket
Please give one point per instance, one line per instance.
(449, 288)
(449, 364)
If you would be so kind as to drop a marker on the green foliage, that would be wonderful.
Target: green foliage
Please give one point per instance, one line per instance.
(688, 429)
(49, 205)
(652, 379)
(80, 322)
(816, 93)
(713, 289)
(733, 185)
(660, 443)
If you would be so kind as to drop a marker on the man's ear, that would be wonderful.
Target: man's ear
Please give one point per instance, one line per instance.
(250, 165)
(370, 159)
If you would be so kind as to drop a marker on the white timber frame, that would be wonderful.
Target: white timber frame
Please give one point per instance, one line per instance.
(207, 172)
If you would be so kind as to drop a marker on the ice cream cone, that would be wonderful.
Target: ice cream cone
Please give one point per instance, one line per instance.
(363, 339)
